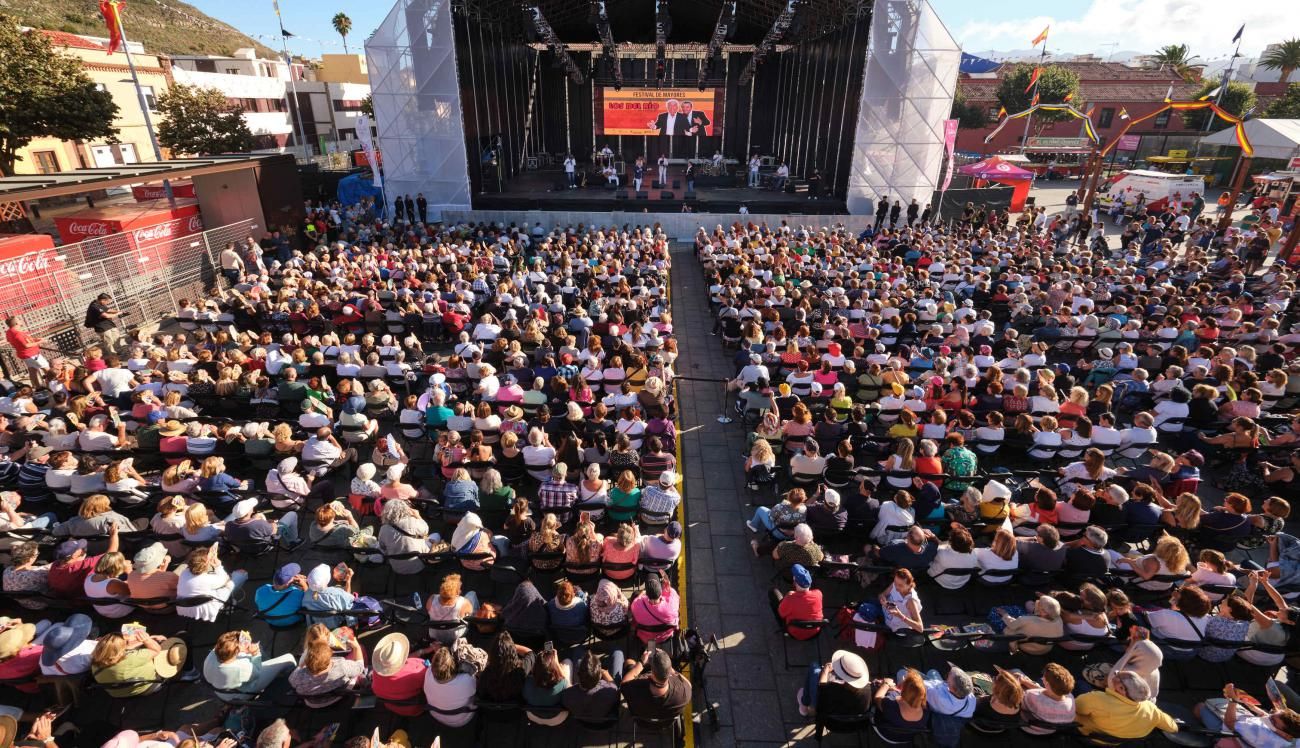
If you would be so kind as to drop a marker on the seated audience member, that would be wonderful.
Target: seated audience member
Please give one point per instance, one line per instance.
(1258, 727)
(838, 687)
(803, 603)
(1124, 710)
(593, 695)
(652, 689)
(235, 666)
(449, 693)
(397, 676)
(901, 709)
(149, 578)
(655, 613)
(135, 663)
(1045, 623)
(322, 675)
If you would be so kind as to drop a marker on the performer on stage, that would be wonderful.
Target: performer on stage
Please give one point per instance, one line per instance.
(606, 155)
(571, 170)
(690, 176)
(638, 172)
(754, 163)
(611, 176)
(782, 174)
(663, 170)
(717, 162)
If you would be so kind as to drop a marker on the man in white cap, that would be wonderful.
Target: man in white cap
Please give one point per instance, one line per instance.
(149, 577)
(661, 499)
(250, 529)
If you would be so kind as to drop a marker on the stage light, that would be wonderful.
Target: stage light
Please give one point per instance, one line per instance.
(608, 47)
(726, 24)
(779, 29)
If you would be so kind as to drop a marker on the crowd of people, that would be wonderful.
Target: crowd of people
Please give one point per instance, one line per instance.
(459, 437)
(1087, 441)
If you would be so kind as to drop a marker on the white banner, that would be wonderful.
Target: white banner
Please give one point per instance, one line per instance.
(368, 145)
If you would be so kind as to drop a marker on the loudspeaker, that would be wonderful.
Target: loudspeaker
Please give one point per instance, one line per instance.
(666, 195)
(689, 196)
(620, 195)
(677, 184)
(643, 195)
(657, 185)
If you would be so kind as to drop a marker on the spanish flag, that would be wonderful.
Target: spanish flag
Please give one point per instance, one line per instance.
(1033, 78)
(1041, 38)
(1002, 112)
(111, 10)
(1123, 113)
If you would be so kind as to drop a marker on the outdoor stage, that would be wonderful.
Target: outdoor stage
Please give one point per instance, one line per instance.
(543, 190)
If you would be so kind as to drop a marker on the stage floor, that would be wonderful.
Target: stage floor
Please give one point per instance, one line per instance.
(541, 190)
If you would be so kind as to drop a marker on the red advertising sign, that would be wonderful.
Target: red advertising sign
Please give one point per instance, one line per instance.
(1129, 142)
(146, 192)
(143, 223)
(685, 112)
(359, 158)
(27, 266)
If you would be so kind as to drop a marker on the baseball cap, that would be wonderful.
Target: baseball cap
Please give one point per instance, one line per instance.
(69, 547)
(802, 577)
(286, 573)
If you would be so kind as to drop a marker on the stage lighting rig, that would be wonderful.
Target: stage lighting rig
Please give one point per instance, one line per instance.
(608, 47)
(779, 28)
(725, 27)
(663, 28)
(553, 42)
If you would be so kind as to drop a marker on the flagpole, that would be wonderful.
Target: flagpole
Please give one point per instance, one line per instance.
(1218, 99)
(144, 103)
(300, 132)
(1024, 140)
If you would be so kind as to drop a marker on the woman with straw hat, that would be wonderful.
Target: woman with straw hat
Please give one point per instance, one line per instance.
(399, 675)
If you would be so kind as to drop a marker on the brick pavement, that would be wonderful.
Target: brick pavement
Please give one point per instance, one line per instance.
(727, 590)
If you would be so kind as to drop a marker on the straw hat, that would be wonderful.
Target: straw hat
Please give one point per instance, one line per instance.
(169, 661)
(850, 669)
(171, 428)
(390, 654)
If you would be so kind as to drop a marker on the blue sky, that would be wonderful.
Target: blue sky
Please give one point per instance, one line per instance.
(1080, 26)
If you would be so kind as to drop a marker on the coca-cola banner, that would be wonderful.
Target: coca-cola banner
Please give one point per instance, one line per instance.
(28, 263)
(146, 192)
(144, 223)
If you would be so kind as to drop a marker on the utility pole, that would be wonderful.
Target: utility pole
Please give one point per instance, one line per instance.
(144, 104)
(299, 133)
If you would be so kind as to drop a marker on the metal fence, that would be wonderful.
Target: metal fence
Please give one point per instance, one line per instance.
(145, 282)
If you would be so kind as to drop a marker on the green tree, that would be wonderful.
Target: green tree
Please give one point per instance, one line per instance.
(200, 122)
(968, 116)
(368, 106)
(45, 94)
(1054, 84)
(1236, 99)
(1176, 57)
(1284, 56)
(342, 25)
(1286, 106)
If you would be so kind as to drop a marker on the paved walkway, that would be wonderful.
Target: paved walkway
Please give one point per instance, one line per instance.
(727, 588)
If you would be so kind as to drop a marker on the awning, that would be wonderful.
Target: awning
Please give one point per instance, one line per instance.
(1271, 138)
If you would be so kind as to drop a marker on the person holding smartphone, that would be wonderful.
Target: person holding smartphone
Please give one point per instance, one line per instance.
(652, 689)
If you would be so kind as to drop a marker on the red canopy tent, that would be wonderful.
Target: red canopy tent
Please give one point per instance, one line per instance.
(995, 169)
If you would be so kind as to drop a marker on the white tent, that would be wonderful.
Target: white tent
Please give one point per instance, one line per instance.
(1271, 138)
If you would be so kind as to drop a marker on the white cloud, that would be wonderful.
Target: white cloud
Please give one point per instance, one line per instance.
(1206, 26)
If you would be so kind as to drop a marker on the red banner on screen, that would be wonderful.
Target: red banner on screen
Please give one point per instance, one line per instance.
(686, 112)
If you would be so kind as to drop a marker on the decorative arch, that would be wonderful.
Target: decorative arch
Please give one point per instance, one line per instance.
(1067, 108)
(1242, 140)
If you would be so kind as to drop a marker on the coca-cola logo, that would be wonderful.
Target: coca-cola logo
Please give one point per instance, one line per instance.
(195, 224)
(155, 232)
(89, 228)
(150, 193)
(32, 262)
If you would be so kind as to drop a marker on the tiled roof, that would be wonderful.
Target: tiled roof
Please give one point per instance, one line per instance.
(64, 39)
(985, 89)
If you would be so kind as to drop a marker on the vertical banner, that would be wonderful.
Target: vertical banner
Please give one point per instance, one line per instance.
(950, 146)
(368, 145)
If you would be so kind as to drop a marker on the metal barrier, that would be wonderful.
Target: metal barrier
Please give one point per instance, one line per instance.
(145, 282)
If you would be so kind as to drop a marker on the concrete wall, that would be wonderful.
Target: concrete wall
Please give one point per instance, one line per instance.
(679, 226)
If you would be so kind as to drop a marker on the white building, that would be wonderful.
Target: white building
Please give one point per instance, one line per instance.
(262, 87)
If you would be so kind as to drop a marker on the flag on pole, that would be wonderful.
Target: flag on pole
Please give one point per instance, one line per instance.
(1033, 78)
(1042, 36)
(1002, 112)
(1034, 101)
(1211, 94)
(112, 12)
(1090, 108)
(1237, 36)
(1169, 95)
(1068, 97)
(1123, 113)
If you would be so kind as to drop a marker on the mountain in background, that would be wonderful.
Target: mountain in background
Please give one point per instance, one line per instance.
(162, 26)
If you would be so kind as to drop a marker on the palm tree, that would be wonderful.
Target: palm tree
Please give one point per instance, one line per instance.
(343, 24)
(1176, 56)
(1284, 56)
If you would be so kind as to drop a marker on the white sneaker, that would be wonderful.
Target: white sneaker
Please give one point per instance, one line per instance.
(750, 525)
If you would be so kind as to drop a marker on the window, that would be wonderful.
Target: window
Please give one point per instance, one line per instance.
(1106, 117)
(347, 105)
(149, 99)
(1161, 120)
(231, 71)
(205, 66)
(47, 162)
